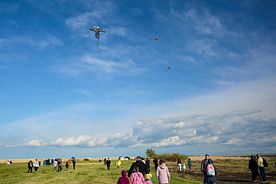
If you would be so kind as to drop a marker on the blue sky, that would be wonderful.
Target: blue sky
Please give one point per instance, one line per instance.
(62, 95)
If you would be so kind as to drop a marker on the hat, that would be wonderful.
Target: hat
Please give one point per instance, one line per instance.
(148, 176)
(206, 155)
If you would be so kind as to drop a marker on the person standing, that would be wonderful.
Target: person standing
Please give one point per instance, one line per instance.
(163, 173)
(261, 167)
(36, 165)
(203, 166)
(123, 179)
(253, 166)
(30, 166)
(67, 165)
(55, 163)
(138, 163)
(210, 172)
(74, 163)
(179, 166)
(136, 177)
(155, 161)
(190, 164)
(148, 164)
(59, 165)
(108, 163)
(119, 162)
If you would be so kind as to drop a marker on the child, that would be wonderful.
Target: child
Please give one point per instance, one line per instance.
(136, 177)
(123, 179)
(183, 167)
(148, 179)
(163, 173)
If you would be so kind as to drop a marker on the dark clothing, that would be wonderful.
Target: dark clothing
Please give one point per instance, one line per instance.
(108, 163)
(74, 164)
(210, 179)
(140, 164)
(35, 168)
(203, 168)
(204, 164)
(155, 161)
(148, 165)
(190, 164)
(262, 173)
(30, 166)
(253, 166)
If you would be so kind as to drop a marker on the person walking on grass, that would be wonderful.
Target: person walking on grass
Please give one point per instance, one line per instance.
(36, 165)
(119, 162)
(108, 163)
(148, 164)
(155, 161)
(253, 166)
(210, 172)
(203, 166)
(136, 177)
(140, 164)
(123, 179)
(163, 173)
(190, 164)
(261, 166)
(55, 163)
(74, 163)
(30, 166)
(67, 165)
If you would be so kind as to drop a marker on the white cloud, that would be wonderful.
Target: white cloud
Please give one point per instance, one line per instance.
(34, 143)
(39, 43)
(89, 63)
(204, 22)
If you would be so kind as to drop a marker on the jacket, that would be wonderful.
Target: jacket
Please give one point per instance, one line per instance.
(163, 174)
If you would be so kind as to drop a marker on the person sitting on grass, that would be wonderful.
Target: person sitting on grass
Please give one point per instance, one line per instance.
(123, 179)
(136, 177)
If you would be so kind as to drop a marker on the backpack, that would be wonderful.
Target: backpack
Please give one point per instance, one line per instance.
(210, 170)
(265, 163)
(137, 178)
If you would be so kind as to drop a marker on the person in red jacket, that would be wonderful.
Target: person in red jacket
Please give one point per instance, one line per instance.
(123, 179)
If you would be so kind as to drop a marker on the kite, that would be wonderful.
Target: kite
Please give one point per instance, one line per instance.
(97, 31)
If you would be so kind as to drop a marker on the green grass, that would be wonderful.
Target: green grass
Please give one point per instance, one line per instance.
(96, 173)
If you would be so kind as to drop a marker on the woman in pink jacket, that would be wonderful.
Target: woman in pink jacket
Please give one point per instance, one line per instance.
(163, 173)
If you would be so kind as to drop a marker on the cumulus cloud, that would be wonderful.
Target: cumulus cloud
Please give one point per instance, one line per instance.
(237, 128)
(34, 143)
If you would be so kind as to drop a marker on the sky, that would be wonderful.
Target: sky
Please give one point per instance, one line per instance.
(206, 85)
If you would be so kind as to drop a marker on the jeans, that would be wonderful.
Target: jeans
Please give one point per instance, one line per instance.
(210, 179)
(262, 173)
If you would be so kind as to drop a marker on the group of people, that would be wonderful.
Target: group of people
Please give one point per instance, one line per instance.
(57, 164)
(181, 167)
(257, 165)
(138, 173)
(32, 165)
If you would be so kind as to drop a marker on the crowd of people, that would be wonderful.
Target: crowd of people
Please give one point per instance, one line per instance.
(139, 171)
(56, 163)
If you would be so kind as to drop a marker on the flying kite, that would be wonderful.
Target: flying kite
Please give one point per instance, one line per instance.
(97, 31)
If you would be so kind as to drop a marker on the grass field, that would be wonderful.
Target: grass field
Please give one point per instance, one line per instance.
(229, 171)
